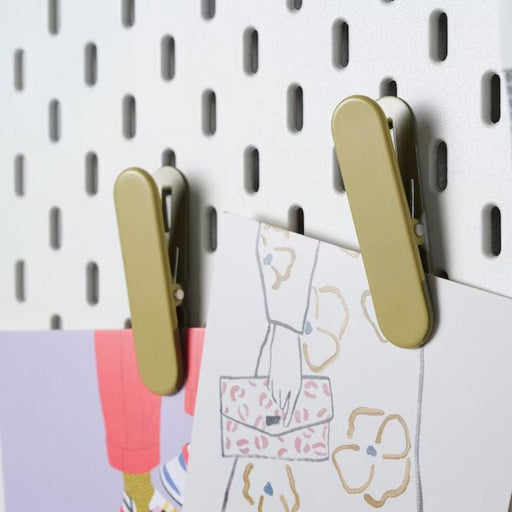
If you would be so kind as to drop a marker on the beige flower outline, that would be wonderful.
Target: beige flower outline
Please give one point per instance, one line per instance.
(334, 336)
(402, 456)
(281, 275)
(246, 491)
(375, 326)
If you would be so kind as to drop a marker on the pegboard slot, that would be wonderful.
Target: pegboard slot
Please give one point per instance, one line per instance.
(495, 98)
(92, 276)
(19, 175)
(208, 9)
(55, 322)
(441, 157)
(340, 44)
(168, 58)
(294, 5)
(296, 219)
(295, 108)
(19, 281)
(54, 16)
(168, 157)
(439, 36)
(492, 231)
(129, 117)
(19, 57)
(90, 64)
(251, 51)
(54, 120)
(251, 170)
(55, 228)
(211, 229)
(91, 173)
(209, 115)
(388, 87)
(128, 13)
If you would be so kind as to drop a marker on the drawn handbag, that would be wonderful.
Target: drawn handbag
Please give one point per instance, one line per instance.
(252, 423)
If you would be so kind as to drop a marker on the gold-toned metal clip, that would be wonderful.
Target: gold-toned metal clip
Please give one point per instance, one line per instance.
(152, 223)
(376, 151)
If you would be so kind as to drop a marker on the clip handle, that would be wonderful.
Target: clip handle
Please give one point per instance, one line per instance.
(151, 288)
(384, 228)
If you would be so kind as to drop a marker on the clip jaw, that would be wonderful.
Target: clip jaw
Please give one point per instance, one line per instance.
(152, 235)
(389, 236)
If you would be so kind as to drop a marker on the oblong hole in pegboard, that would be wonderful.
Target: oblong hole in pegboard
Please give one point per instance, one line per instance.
(439, 36)
(128, 13)
(388, 87)
(55, 322)
(53, 16)
(251, 51)
(91, 173)
(90, 64)
(491, 230)
(208, 9)
(495, 98)
(209, 112)
(19, 281)
(251, 170)
(295, 103)
(129, 117)
(441, 159)
(19, 57)
(167, 57)
(55, 221)
(491, 98)
(211, 229)
(294, 5)
(19, 175)
(296, 219)
(92, 283)
(337, 179)
(54, 120)
(340, 44)
(168, 157)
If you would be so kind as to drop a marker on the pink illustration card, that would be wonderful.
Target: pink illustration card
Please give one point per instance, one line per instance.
(80, 432)
(304, 405)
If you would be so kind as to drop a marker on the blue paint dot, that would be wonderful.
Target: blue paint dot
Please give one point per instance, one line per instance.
(267, 260)
(268, 489)
(371, 451)
(308, 329)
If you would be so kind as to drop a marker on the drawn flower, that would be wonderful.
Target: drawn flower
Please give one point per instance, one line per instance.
(327, 320)
(280, 258)
(260, 495)
(370, 315)
(375, 462)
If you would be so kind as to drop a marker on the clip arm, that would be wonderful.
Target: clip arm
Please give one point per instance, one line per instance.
(384, 227)
(151, 288)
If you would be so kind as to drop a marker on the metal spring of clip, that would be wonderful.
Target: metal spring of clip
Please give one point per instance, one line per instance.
(152, 222)
(376, 149)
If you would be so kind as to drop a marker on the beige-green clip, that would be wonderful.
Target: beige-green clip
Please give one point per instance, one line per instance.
(369, 144)
(152, 222)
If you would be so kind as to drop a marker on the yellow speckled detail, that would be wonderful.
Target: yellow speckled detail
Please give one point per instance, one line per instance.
(140, 489)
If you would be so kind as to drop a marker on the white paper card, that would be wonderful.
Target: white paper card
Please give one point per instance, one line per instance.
(304, 406)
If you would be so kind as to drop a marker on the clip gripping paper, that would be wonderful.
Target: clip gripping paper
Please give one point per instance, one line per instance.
(376, 151)
(152, 222)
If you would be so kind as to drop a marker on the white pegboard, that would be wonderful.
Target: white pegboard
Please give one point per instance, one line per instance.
(387, 40)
